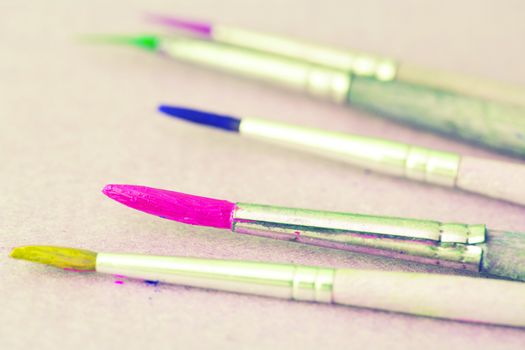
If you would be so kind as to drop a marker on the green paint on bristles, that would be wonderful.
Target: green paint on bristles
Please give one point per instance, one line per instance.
(147, 42)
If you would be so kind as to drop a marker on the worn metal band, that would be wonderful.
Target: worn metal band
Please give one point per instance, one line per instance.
(268, 279)
(313, 284)
(358, 63)
(429, 242)
(324, 82)
(325, 221)
(452, 255)
(376, 154)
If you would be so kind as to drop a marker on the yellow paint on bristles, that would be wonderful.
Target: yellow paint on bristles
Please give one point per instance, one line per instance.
(62, 257)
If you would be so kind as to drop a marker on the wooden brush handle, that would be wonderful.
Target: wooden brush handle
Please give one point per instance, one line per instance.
(490, 123)
(504, 255)
(493, 178)
(451, 297)
(461, 83)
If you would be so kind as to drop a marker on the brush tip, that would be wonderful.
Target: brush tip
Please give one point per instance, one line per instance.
(181, 207)
(112, 190)
(17, 253)
(147, 42)
(196, 27)
(215, 120)
(61, 257)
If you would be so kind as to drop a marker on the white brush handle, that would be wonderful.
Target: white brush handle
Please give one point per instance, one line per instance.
(451, 297)
(493, 178)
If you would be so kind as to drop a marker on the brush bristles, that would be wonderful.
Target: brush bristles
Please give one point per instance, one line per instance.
(61, 257)
(181, 207)
(147, 42)
(194, 27)
(219, 121)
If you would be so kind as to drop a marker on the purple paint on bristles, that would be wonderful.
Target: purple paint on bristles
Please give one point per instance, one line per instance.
(200, 28)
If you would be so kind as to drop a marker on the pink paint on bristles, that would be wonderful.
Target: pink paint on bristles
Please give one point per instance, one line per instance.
(181, 207)
(196, 27)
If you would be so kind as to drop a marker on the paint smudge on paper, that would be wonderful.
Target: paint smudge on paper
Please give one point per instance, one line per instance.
(119, 279)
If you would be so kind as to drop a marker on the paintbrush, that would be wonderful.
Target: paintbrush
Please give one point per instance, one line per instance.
(490, 123)
(497, 179)
(355, 62)
(451, 297)
(454, 245)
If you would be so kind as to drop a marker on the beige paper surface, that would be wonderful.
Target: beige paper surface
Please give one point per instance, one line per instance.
(74, 117)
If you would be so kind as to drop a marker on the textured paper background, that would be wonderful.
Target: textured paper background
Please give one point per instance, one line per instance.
(75, 117)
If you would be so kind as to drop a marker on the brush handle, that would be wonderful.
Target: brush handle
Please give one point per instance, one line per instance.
(492, 178)
(316, 80)
(504, 255)
(489, 123)
(367, 64)
(461, 83)
(384, 156)
(452, 297)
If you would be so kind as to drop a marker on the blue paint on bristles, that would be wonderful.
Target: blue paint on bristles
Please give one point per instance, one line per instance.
(225, 122)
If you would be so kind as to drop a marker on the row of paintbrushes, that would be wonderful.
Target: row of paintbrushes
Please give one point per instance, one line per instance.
(480, 111)
(475, 110)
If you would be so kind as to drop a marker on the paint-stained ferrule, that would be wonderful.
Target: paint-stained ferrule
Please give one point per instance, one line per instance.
(267, 279)
(431, 242)
(353, 62)
(327, 83)
(390, 157)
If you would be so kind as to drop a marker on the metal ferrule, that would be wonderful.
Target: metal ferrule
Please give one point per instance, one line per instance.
(376, 154)
(327, 83)
(358, 63)
(431, 242)
(267, 279)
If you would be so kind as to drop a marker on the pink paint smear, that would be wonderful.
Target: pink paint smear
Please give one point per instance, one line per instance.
(181, 207)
